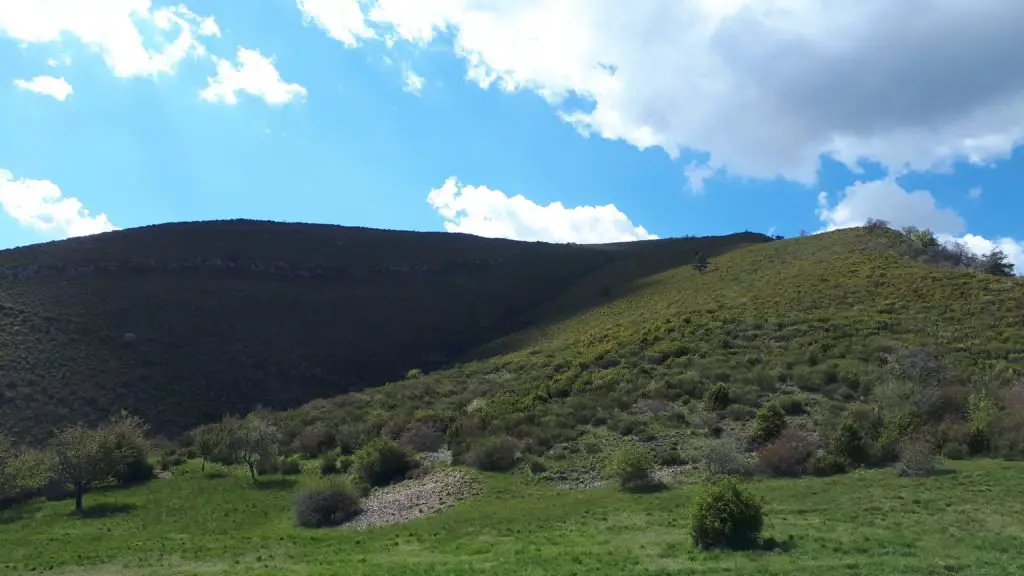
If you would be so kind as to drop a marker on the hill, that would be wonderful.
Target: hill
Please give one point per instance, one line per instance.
(814, 324)
(181, 323)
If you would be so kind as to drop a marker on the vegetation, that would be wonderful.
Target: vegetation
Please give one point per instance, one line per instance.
(632, 466)
(382, 462)
(726, 516)
(328, 503)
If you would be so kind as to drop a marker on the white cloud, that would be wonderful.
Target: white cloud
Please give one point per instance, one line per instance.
(254, 74)
(763, 86)
(485, 212)
(887, 200)
(343, 20)
(696, 174)
(974, 193)
(120, 30)
(39, 204)
(413, 82)
(57, 88)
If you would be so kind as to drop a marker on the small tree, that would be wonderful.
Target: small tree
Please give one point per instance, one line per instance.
(700, 262)
(996, 263)
(769, 423)
(256, 441)
(86, 456)
(632, 466)
(212, 440)
(726, 516)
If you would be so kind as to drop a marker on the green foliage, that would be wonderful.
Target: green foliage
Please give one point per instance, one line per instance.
(848, 444)
(982, 414)
(289, 467)
(329, 465)
(827, 464)
(327, 503)
(996, 263)
(86, 456)
(22, 472)
(382, 462)
(631, 465)
(254, 440)
(494, 454)
(769, 423)
(717, 398)
(726, 516)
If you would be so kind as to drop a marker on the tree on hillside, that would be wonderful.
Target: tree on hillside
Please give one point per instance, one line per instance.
(996, 263)
(256, 440)
(700, 262)
(925, 238)
(212, 440)
(129, 433)
(86, 456)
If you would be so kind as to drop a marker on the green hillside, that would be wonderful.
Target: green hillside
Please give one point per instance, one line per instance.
(813, 322)
(181, 323)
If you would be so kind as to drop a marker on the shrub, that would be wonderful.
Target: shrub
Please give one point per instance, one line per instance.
(955, 451)
(724, 458)
(717, 397)
(425, 436)
(314, 440)
(726, 516)
(769, 423)
(792, 405)
(328, 466)
(917, 457)
(168, 461)
(739, 412)
(788, 455)
(135, 472)
(826, 464)
(495, 454)
(382, 462)
(326, 504)
(848, 444)
(289, 467)
(632, 466)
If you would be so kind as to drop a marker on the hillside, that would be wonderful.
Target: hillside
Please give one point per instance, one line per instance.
(181, 323)
(811, 322)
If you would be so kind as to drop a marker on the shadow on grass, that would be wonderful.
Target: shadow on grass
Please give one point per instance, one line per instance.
(646, 488)
(19, 511)
(275, 484)
(216, 474)
(772, 544)
(104, 510)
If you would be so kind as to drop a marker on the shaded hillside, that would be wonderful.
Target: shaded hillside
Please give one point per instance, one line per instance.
(808, 321)
(183, 322)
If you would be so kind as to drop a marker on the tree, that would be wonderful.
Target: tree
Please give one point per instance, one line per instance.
(86, 456)
(996, 263)
(925, 238)
(701, 262)
(211, 440)
(256, 440)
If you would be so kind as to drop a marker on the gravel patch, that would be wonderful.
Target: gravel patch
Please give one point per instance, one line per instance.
(415, 498)
(438, 457)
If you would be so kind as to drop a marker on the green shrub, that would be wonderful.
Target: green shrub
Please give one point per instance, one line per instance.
(826, 464)
(917, 457)
(289, 467)
(632, 466)
(381, 462)
(168, 461)
(848, 444)
(717, 398)
(329, 503)
(792, 405)
(495, 454)
(769, 423)
(328, 466)
(726, 516)
(135, 472)
(739, 412)
(955, 451)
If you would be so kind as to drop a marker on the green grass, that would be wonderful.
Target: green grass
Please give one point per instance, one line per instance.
(966, 521)
(228, 315)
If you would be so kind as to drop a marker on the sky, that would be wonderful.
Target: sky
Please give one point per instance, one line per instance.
(558, 120)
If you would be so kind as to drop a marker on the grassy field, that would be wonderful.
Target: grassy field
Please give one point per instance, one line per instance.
(968, 520)
(223, 316)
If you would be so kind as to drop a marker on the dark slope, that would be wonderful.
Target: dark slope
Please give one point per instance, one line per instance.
(183, 322)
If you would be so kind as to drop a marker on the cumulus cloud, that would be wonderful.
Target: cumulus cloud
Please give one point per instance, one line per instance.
(491, 213)
(974, 193)
(254, 74)
(56, 88)
(887, 200)
(764, 86)
(120, 30)
(39, 204)
(413, 82)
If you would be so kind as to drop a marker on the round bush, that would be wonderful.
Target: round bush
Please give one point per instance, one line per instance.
(726, 516)
(327, 504)
(769, 423)
(717, 397)
(289, 467)
(632, 466)
(382, 462)
(328, 466)
(493, 454)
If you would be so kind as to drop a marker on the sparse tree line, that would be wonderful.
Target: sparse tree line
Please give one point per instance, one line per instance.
(926, 247)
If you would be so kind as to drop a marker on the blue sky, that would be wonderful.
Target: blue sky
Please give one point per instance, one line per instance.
(659, 118)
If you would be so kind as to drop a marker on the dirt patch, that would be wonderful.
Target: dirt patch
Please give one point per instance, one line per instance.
(415, 498)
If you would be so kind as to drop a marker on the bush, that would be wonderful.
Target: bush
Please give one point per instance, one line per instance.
(739, 413)
(955, 451)
(328, 466)
(496, 454)
(792, 405)
(289, 467)
(425, 436)
(726, 516)
(314, 440)
(769, 423)
(917, 457)
(135, 472)
(632, 466)
(788, 455)
(168, 461)
(382, 462)
(724, 458)
(848, 444)
(717, 397)
(326, 504)
(826, 464)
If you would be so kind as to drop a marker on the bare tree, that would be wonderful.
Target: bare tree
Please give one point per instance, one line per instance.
(256, 440)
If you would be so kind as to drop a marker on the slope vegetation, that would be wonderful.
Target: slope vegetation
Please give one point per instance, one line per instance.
(181, 323)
